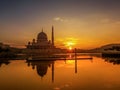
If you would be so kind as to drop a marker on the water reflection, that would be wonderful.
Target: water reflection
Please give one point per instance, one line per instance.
(115, 61)
(61, 74)
(4, 61)
(41, 67)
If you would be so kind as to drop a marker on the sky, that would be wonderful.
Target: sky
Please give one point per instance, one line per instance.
(77, 23)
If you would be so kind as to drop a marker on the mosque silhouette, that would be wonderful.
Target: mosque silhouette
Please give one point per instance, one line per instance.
(42, 41)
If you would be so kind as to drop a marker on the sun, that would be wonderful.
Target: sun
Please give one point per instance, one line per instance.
(70, 48)
(70, 44)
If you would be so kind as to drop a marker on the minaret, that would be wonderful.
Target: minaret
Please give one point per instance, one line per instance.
(52, 36)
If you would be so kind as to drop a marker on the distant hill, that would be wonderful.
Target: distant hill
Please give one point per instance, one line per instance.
(110, 46)
(100, 49)
(8, 48)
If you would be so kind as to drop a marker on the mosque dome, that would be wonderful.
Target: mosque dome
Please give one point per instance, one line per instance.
(42, 70)
(42, 37)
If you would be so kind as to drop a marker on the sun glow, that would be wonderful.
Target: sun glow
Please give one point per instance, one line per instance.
(70, 48)
(68, 42)
(69, 45)
(70, 61)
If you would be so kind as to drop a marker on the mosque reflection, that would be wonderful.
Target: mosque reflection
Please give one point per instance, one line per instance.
(41, 67)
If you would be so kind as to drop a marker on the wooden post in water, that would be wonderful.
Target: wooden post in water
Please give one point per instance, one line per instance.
(75, 60)
(53, 72)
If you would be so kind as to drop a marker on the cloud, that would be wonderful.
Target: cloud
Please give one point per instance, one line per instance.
(59, 19)
(105, 20)
(117, 22)
(110, 22)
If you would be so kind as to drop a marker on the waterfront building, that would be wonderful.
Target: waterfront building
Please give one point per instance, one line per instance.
(42, 41)
(42, 45)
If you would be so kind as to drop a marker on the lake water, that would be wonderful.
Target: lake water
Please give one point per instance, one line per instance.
(84, 74)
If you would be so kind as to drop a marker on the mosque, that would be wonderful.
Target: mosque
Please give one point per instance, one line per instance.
(42, 44)
(42, 41)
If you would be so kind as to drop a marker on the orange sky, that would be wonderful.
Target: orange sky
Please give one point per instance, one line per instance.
(77, 24)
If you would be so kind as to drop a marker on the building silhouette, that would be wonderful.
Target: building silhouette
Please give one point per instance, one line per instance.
(42, 41)
(41, 45)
